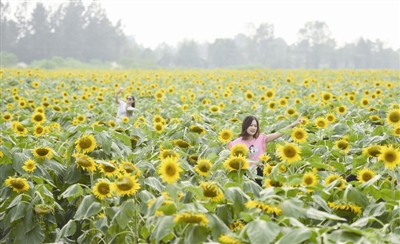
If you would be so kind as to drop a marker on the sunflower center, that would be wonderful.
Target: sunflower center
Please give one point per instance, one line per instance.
(341, 110)
(30, 165)
(18, 184)
(191, 219)
(128, 168)
(124, 184)
(390, 157)
(108, 168)
(236, 164)
(38, 118)
(374, 151)
(42, 152)
(204, 168)
(210, 191)
(299, 135)
(366, 177)
(39, 130)
(85, 143)
(103, 188)
(394, 117)
(321, 123)
(308, 180)
(343, 145)
(226, 136)
(289, 152)
(83, 162)
(20, 128)
(170, 170)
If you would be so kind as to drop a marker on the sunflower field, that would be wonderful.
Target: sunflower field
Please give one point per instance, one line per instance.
(70, 173)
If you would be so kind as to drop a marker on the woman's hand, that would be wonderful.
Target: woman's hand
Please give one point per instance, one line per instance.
(298, 121)
(119, 90)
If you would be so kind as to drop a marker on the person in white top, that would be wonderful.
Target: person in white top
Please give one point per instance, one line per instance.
(124, 108)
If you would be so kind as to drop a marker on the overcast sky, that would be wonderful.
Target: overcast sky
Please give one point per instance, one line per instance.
(154, 22)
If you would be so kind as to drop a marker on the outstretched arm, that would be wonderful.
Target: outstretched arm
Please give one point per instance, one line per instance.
(116, 96)
(276, 135)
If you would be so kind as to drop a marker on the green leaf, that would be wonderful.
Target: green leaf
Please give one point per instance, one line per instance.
(125, 213)
(36, 235)
(105, 140)
(101, 224)
(84, 206)
(259, 231)
(163, 227)
(93, 209)
(196, 234)
(144, 232)
(216, 225)
(316, 214)
(375, 209)
(73, 174)
(154, 183)
(72, 192)
(237, 197)
(14, 202)
(295, 236)
(67, 230)
(292, 207)
(124, 138)
(18, 211)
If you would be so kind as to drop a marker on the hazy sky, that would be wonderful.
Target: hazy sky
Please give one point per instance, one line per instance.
(154, 22)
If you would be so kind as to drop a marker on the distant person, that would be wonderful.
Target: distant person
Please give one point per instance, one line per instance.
(257, 143)
(124, 108)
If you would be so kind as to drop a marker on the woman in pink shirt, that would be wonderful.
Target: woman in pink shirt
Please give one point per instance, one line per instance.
(256, 142)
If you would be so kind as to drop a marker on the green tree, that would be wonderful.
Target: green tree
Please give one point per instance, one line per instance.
(9, 29)
(188, 55)
(223, 52)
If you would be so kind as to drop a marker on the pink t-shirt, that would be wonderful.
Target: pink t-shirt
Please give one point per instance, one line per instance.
(256, 146)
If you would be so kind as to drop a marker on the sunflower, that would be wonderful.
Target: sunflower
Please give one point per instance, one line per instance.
(265, 157)
(125, 119)
(211, 191)
(299, 135)
(109, 169)
(249, 95)
(343, 145)
(181, 143)
(19, 185)
(263, 207)
(267, 169)
(126, 185)
(341, 109)
(282, 168)
(332, 177)
(86, 143)
(39, 130)
(38, 118)
(164, 153)
(225, 135)
(283, 102)
(345, 206)
(129, 168)
(214, 109)
(289, 152)
(393, 117)
(270, 93)
(7, 117)
(364, 102)
(42, 152)
(191, 218)
(112, 123)
(390, 156)
(236, 163)
(197, 129)
(290, 112)
(29, 166)
(310, 179)
(271, 105)
(87, 163)
(158, 119)
(203, 167)
(225, 239)
(239, 150)
(22, 103)
(19, 128)
(159, 95)
(102, 189)
(396, 130)
(321, 122)
(330, 117)
(158, 127)
(364, 175)
(236, 226)
(372, 151)
(169, 170)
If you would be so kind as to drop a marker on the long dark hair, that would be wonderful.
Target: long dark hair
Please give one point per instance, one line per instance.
(133, 99)
(245, 124)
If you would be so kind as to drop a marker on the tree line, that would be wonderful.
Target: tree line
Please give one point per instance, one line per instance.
(84, 33)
